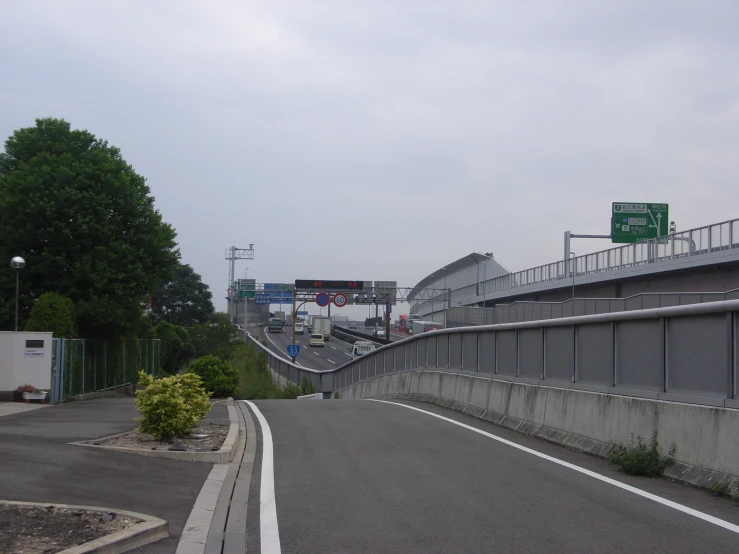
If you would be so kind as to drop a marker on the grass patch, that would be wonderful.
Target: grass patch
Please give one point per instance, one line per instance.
(336, 395)
(255, 380)
(639, 458)
(725, 489)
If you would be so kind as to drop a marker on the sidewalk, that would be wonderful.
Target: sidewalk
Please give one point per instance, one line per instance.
(37, 464)
(10, 408)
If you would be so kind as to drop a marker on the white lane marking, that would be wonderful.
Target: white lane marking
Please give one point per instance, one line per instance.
(279, 350)
(347, 353)
(669, 503)
(333, 347)
(269, 533)
(333, 362)
(316, 353)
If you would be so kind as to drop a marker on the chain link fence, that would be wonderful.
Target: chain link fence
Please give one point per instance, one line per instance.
(83, 365)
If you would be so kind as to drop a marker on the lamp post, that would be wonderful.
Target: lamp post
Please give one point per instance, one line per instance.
(17, 263)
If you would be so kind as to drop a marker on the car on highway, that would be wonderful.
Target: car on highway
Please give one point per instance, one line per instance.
(299, 329)
(316, 339)
(362, 347)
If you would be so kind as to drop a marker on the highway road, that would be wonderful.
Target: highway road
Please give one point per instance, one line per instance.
(334, 354)
(367, 476)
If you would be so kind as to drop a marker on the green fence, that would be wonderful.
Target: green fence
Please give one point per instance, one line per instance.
(96, 365)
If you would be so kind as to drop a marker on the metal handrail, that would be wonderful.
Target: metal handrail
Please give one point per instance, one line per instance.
(696, 241)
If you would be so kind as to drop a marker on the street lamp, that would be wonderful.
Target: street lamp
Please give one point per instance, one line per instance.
(17, 263)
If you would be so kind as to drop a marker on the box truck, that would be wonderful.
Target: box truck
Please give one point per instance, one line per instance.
(321, 326)
(424, 326)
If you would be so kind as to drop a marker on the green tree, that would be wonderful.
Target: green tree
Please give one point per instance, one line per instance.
(55, 313)
(183, 300)
(217, 337)
(219, 378)
(85, 222)
(171, 345)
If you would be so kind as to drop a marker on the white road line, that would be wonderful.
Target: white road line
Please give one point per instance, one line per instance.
(316, 353)
(669, 503)
(347, 353)
(333, 347)
(269, 533)
(333, 362)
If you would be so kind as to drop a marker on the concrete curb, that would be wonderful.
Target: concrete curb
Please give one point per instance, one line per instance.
(224, 455)
(150, 529)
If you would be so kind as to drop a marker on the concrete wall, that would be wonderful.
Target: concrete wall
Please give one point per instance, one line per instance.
(704, 279)
(20, 365)
(706, 437)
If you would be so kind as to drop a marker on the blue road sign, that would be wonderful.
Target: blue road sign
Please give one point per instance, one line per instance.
(303, 313)
(323, 299)
(293, 350)
(274, 298)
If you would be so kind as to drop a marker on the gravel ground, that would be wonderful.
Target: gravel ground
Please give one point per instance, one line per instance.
(45, 530)
(216, 434)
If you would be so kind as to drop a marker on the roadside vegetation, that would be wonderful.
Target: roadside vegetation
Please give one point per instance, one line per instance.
(255, 380)
(727, 489)
(640, 458)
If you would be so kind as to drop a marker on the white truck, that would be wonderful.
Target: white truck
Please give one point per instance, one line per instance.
(424, 326)
(280, 316)
(321, 326)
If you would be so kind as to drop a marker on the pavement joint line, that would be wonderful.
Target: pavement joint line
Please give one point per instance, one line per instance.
(635, 490)
(149, 529)
(195, 534)
(333, 362)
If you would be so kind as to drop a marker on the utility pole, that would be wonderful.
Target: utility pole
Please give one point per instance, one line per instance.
(232, 254)
(295, 316)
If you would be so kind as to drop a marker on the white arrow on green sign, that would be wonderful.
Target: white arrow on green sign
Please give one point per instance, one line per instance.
(635, 221)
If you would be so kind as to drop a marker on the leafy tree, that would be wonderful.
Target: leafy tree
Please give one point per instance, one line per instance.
(183, 300)
(217, 337)
(171, 345)
(55, 313)
(85, 222)
(219, 378)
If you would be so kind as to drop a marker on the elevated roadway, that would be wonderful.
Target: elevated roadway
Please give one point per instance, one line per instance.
(367, 476)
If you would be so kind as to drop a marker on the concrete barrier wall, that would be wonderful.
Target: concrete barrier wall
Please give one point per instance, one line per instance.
(707, 438)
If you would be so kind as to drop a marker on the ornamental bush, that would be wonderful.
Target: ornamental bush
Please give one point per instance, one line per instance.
(171, 405)
(218, 376)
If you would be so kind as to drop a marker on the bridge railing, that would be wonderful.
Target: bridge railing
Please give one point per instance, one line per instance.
(712, 238)
(681, 353)
(283, 369)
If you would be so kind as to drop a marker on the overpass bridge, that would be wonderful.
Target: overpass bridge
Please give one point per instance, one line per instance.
(704, 259)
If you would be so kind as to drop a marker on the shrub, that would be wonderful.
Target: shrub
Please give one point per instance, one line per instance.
(307, 386)
(171, 405)
(638, 458)
(53, 313)
(336, 395)
(218, 376)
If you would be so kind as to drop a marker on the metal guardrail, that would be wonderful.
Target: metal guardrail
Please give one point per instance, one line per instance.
(679, 353)
(702, 240)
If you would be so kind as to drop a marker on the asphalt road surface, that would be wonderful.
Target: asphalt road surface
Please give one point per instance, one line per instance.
(364, 476)
(333, 354)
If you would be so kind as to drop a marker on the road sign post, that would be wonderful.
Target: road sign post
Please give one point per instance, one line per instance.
(293, 350)
(634, 222)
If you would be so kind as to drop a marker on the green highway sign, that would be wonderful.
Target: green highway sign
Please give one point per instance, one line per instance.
(635, 221)
(246, 288)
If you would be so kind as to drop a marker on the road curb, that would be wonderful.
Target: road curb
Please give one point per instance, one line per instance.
(149, 529)
(224, 455)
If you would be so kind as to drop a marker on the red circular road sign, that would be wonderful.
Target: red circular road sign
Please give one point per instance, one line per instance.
(322, 299)
(340, 299)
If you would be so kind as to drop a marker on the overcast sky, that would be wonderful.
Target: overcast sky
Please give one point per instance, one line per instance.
(383, 139)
